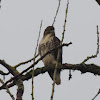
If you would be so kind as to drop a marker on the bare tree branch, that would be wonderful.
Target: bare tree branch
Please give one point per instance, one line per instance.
(8, 91)
(2, 73)
(64, 26)
(96, 94)
(55, 71)
(14, 72)
(83, 68)
(56, 12)
(33, 64)
(22, 63)
(97, 52)
(20, 89)
(10, 68)
(34, 60)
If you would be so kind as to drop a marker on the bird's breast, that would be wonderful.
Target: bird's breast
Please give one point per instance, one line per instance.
(45, 46)
(49, 60)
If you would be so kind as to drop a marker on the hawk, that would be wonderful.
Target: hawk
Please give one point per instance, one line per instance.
(48, 42)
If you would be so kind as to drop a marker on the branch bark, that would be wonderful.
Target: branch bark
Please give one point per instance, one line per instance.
(83, 68)
(10, 68)
(18, 82)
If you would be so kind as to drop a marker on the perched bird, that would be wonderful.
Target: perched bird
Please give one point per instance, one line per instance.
(48, 42)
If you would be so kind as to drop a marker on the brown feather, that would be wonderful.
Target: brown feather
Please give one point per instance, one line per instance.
(48, 42)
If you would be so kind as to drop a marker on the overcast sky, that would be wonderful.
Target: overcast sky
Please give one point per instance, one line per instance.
(19, 28)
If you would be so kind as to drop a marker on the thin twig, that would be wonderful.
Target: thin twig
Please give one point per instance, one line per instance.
(96, 56)
(70, 75)
(55, 71)
(34, 61)
(65, 21)
(2, 73)
(56, 12)
(97, 52)
(8, 91)
(34, 64)
(96, 94)
(22, 63)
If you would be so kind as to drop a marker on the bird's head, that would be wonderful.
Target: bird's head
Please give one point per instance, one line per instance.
(49, 30)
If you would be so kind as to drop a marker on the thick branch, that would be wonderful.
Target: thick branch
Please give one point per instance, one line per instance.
(83, 68)
(10, 68)
(20, 89)
(14, 72)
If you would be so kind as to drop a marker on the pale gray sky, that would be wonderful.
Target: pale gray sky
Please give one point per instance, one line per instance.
(19, 28)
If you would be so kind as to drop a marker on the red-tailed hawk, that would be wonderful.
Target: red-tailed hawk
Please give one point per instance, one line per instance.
(48, 42)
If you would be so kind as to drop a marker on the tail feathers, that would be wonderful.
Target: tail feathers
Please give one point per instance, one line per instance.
(57, 77)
